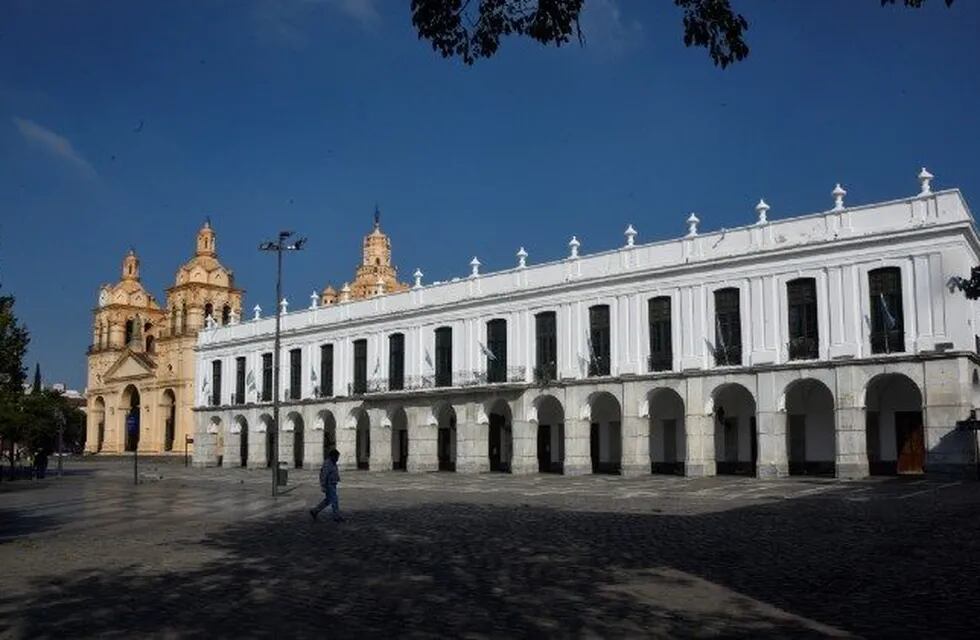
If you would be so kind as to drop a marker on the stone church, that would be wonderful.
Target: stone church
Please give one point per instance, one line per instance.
(141, 361)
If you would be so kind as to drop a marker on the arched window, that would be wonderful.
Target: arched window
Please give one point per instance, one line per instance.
(225, 314)
(129, 331)
(208, 310)
(183, 317)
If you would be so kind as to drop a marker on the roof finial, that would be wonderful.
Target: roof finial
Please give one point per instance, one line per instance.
(377, 216)
(207, 222)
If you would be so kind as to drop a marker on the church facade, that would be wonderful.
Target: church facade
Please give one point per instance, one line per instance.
(826, 344)
(141, 370)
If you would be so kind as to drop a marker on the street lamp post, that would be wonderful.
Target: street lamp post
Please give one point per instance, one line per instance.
(60, 417)
(278, 246)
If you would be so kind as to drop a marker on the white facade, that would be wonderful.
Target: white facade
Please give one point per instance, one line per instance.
(641, 419)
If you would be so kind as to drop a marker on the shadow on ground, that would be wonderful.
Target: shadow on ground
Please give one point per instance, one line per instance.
(786, 569)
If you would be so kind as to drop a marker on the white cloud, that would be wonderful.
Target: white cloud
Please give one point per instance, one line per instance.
(607, 30)
(54, 144)
(287, 22)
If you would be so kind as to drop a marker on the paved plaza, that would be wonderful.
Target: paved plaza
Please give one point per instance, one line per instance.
(208, 553)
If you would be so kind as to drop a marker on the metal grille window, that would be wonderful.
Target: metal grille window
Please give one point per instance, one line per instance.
(546, 346)
(360, 366)
(801, 297)
(240, 380)
(266, 377)
(396, 361)
(661, 351)
(326, 370)
(216, 383)
(497, 348)
(444, 357)
(887, 319)
(599, 340)
(728, 327)
(295, 374)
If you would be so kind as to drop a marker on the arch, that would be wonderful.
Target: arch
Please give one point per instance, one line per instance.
(551, 433)
(267, 426)
(130, 410)
(894, 425)
(208, 310)
(149, 344)
(668, 442)
(98, 412)
(605, 433)
(362, 425)
(169, 403)
(130, 329)
(242, 440)
(326, 421)
(500, 433)
(399, 439)
(445, 416)
(736, 437)
(294, 422)
(225, 314)
(811, 431)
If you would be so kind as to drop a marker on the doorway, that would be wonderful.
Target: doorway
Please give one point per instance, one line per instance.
(910, 442)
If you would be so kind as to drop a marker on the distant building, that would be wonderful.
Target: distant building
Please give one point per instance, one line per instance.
(141, 361)
(825, 344)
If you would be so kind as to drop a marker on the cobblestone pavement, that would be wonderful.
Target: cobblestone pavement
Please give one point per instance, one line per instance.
(208, 553)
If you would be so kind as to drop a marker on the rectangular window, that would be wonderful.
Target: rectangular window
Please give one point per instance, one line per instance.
(497, 348)
(295, 374)
(444, 357)
(360, 366)
(546, 346)
(216, 383)
(661, 349)
(240, 380)
(326, 370)
(266, 377)
(801, 298)
(728, 328)
(396, 361)
(887, 317)
(599, 340)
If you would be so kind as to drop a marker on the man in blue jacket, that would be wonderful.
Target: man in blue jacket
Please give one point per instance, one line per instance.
(329, 477)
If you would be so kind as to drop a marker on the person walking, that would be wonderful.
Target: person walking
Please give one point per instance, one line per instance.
(329, 477)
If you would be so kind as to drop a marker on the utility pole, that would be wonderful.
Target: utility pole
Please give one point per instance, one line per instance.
(278, 246)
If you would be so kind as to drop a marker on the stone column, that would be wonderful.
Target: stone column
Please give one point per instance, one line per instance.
(204, 451)
(578, 459)
(472, 442)
(524, 458)
(347, 447)
(852, 444)
(231, 455)
(699, 436)
(380, 440)
(285, 444)
(256, 446)
(636, 446)
(423, 441)
(772, 461)
(313, 447)
(947, 399)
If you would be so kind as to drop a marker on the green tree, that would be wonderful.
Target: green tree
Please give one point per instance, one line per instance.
(14, 339)
(473, 29)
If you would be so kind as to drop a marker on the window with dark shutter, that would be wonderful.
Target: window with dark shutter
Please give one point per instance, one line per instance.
(360, 366)
(801, 298)
(444, 357)
(216, 383)
(497, 347)
(295, 374)
(396, 361)
(599, 340)
(546, 346)
(661, 349)
(266, 377)
(728, 327)
(240, 380)
(326, 370)
(887, 318)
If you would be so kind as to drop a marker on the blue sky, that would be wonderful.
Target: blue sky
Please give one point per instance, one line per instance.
(304, 114)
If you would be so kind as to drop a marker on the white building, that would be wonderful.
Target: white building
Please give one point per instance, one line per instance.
(828, 343)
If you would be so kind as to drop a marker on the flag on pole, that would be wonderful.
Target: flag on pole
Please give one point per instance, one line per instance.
(377, 366)
(720, 341)
(487, 352)
(588, 343)
(313, 375)
(890, 321)
(428, 359)
(250, 381)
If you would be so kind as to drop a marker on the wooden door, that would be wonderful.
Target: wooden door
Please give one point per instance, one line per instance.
(445, 461)
(797, 443)
(910, 441)
(670, 440)
(544, 448)
(494, 444)
(243, 446)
